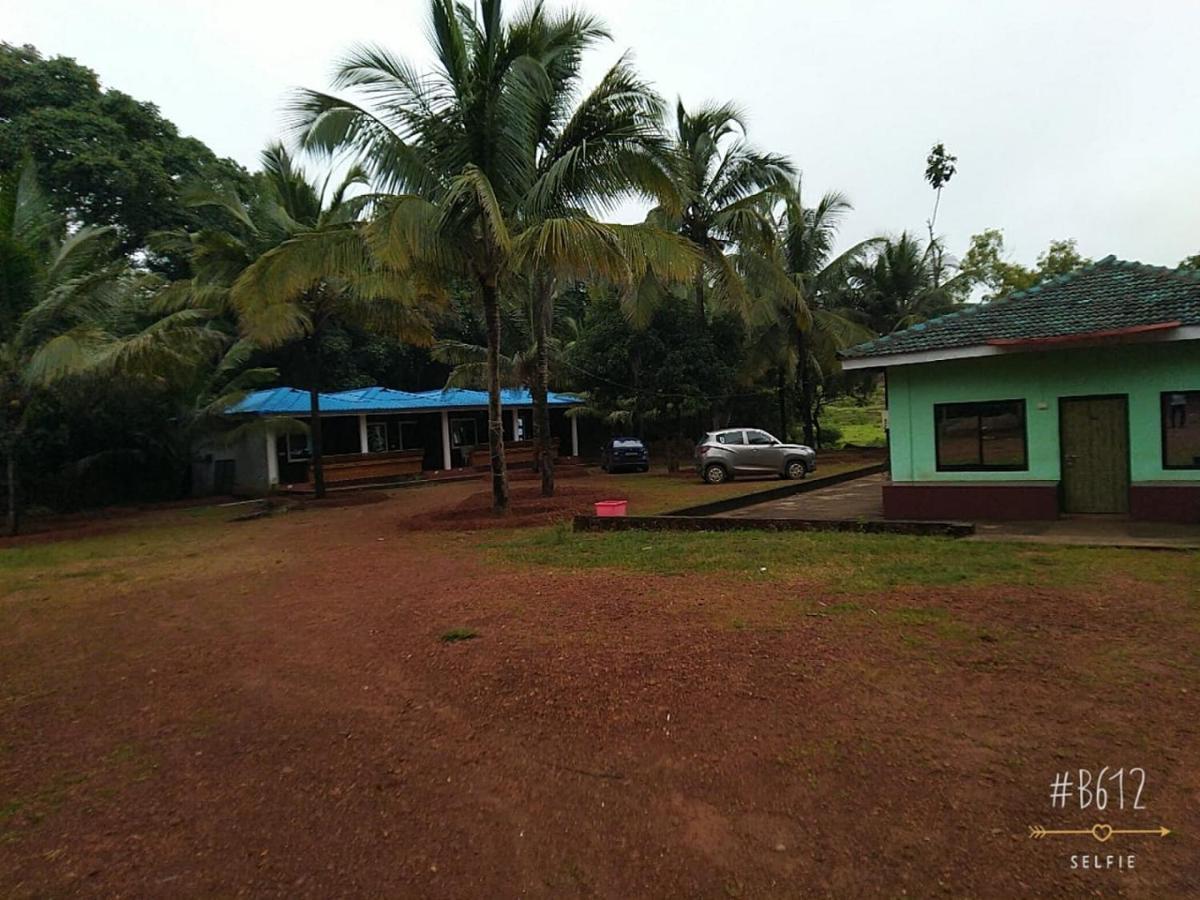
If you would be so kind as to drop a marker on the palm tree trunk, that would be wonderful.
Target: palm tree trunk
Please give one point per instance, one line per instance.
(783, 416)
(14, 500)
(543, 312)
(491, 313)
(314, 424)
(807, 392)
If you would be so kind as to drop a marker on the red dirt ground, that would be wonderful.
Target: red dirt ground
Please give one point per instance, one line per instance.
(526, 507)
(270, 712)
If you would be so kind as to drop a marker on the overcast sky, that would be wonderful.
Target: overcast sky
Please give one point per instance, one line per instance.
(1069, 119)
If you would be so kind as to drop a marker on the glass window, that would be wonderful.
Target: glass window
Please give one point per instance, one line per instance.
(730, 437)
(386, 434)
(377, 437)
(297, 447)
(462, 433)
(1181, 429)
(759, 439)
(980, 436)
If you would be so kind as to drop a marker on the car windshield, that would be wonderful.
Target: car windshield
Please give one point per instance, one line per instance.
(626, 442)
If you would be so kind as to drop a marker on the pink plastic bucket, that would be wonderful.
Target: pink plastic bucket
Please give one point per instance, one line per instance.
(611, 507)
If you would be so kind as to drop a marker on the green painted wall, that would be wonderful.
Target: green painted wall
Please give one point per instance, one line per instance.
(1142, 371)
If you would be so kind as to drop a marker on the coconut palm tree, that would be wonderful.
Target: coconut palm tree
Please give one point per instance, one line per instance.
(723, 190)
(72, 306)
(320, 273)
(810, 322)
(488, 175)
(898, 286)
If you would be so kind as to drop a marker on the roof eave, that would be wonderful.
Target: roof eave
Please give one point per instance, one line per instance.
(1170, 331)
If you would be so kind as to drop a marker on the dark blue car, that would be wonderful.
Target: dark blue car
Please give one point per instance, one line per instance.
(625, 453)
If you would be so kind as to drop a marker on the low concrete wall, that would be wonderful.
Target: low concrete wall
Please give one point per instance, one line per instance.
(708, 523)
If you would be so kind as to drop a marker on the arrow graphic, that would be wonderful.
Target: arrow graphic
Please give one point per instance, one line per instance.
(1100, 831)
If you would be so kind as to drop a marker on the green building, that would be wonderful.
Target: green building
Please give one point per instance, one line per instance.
(1078, 396)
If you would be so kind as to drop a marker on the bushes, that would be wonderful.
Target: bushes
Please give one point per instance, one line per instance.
(830, 437)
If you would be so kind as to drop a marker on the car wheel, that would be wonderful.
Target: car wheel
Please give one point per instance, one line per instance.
(644, 469)
(715, 474)
(795, 469)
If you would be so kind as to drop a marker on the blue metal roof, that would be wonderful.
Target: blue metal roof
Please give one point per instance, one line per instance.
(286, 401)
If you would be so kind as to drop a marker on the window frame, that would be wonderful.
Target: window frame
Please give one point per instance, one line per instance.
(474, 429)
(1162, 431)
(768, 440)
(981, 466)
(297, 456)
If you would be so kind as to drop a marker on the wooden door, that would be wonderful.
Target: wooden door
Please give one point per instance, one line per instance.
(1094, 436)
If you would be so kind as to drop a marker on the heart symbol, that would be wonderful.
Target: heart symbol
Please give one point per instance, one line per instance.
(1102, 832)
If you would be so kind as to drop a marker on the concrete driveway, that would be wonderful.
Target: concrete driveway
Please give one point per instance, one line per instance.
(862, 500)
(855, 500)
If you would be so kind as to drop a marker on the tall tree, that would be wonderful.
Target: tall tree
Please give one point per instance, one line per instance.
(723, 189)
(1192, 262)
(809, 324)
(70, 305)
(940, 167)
(467, 191)
(659, 378)
(896, 287)
(103, 157)
(322, 274)
(1059, 258)
(986, 263)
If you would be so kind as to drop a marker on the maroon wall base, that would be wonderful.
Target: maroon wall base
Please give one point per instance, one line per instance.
(998, 501)
(1174, 502)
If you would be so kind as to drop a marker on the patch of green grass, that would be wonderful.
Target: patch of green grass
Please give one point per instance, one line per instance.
(862, 435)
(458, 634)
(838, 562)
(938, 621)
(861, 425)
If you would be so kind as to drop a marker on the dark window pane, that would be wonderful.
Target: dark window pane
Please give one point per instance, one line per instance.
(983, 436)
(1003, 429)
(1181, 429)
(340, 435)
(758, 438)
(730, 437)
(410, 436)
(957, 437)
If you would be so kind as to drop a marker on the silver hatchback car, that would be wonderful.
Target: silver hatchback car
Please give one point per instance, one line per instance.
(749, 451)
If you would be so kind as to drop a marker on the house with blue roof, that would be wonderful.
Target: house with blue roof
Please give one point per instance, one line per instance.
(372, 434)
(1080, 396)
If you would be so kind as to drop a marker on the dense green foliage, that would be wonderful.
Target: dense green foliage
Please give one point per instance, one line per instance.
(985, 264)
(468, 243)
(661, 380)
(105, 158)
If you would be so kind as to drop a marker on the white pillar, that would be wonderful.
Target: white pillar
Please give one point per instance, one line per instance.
(516, 420)
(574, 435)
(364, 446)
(445, 439)
(272, 459)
